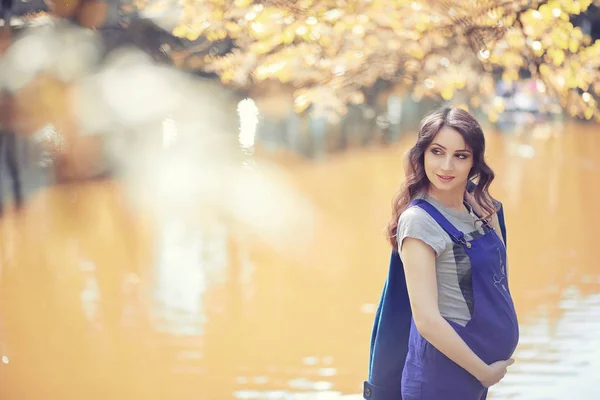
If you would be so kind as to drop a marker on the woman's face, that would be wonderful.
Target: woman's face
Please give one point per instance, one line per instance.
(448, 161)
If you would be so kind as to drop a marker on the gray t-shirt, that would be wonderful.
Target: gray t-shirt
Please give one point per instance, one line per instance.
(453, 268)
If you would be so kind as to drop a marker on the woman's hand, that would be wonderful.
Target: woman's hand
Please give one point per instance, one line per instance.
(495, 372)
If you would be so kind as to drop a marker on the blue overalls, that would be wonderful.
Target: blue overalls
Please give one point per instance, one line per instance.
(404, 366)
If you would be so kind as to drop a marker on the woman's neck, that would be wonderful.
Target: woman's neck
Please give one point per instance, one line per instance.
(451, 200)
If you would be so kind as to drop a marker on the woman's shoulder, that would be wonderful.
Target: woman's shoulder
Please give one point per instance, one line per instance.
(416, 216)
(417, 223)
(414, 212)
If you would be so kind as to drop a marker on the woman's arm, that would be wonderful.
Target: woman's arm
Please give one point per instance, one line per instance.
(419, 267)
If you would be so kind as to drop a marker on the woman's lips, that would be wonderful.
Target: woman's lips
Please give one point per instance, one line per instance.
(444, 178)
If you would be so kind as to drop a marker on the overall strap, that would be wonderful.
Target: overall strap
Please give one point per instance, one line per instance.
(456, 235)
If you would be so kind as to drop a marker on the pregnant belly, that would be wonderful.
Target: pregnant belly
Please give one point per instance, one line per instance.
(493, 339)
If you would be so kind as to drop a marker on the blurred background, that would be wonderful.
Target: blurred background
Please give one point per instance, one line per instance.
(193, 194)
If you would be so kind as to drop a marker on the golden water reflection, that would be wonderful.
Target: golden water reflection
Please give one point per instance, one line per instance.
(99, 301)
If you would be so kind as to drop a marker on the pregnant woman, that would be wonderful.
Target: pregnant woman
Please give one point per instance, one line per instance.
(446, 326)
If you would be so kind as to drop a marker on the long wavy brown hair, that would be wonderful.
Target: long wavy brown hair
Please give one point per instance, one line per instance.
(416, 181)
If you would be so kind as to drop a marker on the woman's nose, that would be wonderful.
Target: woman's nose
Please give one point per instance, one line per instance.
(447, 164)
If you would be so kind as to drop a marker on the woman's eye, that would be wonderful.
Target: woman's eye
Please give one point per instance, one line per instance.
(436, 151)
(461, 156)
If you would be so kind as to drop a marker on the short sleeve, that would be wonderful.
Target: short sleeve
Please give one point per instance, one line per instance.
(414, 222)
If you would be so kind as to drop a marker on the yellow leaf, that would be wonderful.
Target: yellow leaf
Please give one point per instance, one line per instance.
(584, 81)
(574, 7)
(193, 35)
(510, 75)
(221, 34)
(180, 31)
(217, 15)
(243, 3)
(573, 46)
(557, 55)
(301, 103)
(288, 35)
(325, 41)
(260, 47)
(227, 76)
(576, 32)
(259, 30)
(515, 39)
(284, 75)
(546, 12)
(262, 73)
(233, 27)
(447, 92)
(416, 52)
(340, 28)
(560, 38)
